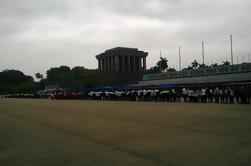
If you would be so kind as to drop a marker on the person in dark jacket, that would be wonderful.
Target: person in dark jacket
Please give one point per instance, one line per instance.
(243, 95)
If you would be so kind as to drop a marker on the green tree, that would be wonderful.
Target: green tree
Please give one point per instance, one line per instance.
(202, 66)
(153, 70)
(39, 76)
(214, 65)
(59, 75)
(171, 70)
(73, 78)
(195, 64)
(14, 81)
(226, 63)
(162, 64)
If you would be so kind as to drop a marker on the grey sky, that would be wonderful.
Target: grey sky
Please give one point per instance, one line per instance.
(38, 34)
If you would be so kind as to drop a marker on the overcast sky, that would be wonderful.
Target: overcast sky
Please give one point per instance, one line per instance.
(38, 34)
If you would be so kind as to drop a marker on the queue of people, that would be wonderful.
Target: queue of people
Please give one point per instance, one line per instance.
(225, 95)
(202, 94)
(238, 94)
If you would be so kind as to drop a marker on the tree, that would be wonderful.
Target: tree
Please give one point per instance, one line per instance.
(171, 70)
(194, 64)
(226, 63)
(76, 77)
(39, 76)
(162, 64)
(214, 65)
(59, 75)
(153, 70)
(202, 66)
(14, 81)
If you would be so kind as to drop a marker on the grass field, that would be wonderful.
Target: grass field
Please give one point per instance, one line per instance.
(88, 133)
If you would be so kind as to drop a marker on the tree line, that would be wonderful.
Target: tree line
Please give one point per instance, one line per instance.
(14, 81)
(162, 66)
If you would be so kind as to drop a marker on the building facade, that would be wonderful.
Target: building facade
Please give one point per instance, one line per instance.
(122, 60)
(208, 75)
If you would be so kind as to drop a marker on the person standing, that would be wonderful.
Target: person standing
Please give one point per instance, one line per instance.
(211, 95)
(184, 94)
(231, 95)
(226, 95)
(203, 95)
(217, 94)
(174, 95)
(222, 95)
(243, 95)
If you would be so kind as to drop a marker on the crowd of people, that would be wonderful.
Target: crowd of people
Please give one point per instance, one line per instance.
(223, 94)
(196, 95)
(201, 94)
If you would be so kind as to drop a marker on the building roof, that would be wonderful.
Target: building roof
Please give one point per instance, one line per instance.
(120, 51)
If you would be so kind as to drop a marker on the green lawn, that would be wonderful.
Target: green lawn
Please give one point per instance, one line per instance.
(64, 133)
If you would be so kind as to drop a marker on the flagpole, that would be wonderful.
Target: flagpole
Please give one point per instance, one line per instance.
(179, 59)
(231, 42)
(203, 53)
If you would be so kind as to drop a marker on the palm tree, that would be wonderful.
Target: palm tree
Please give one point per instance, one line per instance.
(226, 63)
(194, 64)
(214, 65)
(162, 64)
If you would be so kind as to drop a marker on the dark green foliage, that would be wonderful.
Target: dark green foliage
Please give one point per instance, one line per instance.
(195, 64)
(214, 65)
(226, 63)
(202, 66)
(61, 76)
(13, 81)
(75, 77)
(153, 70)
(171, 70)
(161, 66)
(39, 76)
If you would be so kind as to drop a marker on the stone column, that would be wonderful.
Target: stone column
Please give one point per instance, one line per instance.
(112, 64)
(144, 64)
(129, 64)
(141, 64)
(116, 64)
(103, 65)
(134, 64)
(123, 63)
(99, 65)
(106, 65)
(137, 64)
(109, 64)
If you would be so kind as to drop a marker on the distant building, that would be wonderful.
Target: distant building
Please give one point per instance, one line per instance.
(121, 65)
(122, 60)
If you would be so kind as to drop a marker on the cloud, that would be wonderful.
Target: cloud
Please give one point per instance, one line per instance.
(36, 35)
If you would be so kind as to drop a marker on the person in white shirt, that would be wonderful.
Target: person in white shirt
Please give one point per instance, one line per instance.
(216, 94)
(203, 95)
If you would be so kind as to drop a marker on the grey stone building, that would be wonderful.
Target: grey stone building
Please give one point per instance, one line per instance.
(122, 60)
